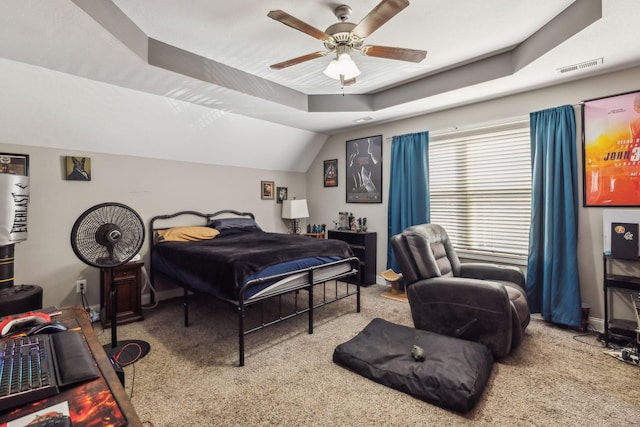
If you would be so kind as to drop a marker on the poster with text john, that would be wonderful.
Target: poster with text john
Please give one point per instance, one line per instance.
(611, 150)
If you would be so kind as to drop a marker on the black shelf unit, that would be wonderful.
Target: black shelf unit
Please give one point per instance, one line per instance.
(613, 328)
(364, 247)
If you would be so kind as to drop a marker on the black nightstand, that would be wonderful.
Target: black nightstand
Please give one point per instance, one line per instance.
(363, 246)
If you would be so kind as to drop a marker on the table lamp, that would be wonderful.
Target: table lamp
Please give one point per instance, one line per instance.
(294, 210)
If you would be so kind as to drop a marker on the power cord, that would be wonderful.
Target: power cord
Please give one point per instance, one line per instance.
(128, 355)
(132, 350)
(589, 333)
(94, 316)
(152, 290)
(83, 298)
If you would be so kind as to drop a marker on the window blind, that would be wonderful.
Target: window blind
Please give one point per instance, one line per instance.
(480, 188)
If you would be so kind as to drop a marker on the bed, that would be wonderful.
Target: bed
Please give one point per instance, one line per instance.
(227, 255)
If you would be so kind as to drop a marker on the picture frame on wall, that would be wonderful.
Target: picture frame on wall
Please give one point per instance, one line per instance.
(364, 170)
(77, 168)
(266, 190)
(611, 150)
(330, 173)
(282, 193)
(14, 164)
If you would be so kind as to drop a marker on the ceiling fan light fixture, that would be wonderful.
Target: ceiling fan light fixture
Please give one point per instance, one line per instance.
(332, 70)
(342, 66)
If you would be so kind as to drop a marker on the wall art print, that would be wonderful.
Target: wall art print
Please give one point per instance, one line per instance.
(77, 168)
(330, 173)
(364, 170)
(14, 164)
(267, 190)
(282, 194)
(611, 150)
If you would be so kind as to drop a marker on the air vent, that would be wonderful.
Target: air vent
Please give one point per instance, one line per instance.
(581, 66)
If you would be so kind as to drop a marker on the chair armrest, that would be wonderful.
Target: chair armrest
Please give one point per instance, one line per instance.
(489, 295)
(487, 271)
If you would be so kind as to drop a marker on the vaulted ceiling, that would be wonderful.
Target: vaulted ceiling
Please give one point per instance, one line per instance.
(190, 80)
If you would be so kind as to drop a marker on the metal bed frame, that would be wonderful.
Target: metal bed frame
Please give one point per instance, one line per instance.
(243, 303)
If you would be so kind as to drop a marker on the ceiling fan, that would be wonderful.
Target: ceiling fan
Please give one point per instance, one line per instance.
(345, 37)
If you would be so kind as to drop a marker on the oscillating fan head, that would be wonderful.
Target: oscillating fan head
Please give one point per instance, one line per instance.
(107, 235)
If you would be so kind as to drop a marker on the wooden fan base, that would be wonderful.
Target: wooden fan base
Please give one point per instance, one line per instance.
(394, 279)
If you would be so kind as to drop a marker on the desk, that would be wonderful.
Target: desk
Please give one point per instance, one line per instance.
(108, 386)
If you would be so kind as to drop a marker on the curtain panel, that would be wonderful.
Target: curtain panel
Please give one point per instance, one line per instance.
(408, 186)
(553, 287)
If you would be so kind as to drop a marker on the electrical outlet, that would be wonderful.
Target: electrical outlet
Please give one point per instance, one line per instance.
(81, 286)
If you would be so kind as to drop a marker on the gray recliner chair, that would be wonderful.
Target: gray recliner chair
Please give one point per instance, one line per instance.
(480, 302)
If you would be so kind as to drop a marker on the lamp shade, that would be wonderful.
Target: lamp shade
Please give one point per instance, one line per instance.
(342, 66)
(295, 209)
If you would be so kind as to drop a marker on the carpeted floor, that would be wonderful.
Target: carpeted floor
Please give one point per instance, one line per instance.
(191, 377)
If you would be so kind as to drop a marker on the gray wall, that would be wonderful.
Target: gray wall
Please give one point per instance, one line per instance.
(150, 186)
(325, 203)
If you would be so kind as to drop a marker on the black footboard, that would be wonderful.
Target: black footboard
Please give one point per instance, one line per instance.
(342, 290)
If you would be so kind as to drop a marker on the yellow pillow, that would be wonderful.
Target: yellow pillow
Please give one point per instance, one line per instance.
(186, 234)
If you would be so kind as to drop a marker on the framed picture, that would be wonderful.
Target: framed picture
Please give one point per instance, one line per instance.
(14, 164)
(77, 168)
(611, 150)
(364, 170)
(266, 190)
(282, 194)
(330, 170)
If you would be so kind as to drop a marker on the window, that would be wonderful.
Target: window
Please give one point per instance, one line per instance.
(480, 187)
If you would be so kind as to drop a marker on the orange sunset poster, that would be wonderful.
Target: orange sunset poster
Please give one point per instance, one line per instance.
(611, 129)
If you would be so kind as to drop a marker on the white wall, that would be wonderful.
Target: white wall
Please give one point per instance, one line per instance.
(325, 203)
(150, 186)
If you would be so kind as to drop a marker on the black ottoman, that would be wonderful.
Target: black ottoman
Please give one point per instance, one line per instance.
(453, 374)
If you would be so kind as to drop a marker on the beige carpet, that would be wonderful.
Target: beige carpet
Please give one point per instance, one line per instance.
(191, 377)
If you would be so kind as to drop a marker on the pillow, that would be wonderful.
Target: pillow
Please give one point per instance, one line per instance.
(229, 226)
(186, 234)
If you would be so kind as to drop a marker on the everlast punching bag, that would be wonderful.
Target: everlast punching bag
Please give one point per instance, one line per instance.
(14, 201)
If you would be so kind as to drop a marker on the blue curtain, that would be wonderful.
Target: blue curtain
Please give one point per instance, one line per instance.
(553, 287)
(408, 186)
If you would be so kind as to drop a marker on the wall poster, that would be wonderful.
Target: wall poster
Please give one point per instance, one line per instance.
(611, 149)
(330, 173)
(364, 170)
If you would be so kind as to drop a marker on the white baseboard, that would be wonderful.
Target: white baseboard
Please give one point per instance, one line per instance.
(596, 324)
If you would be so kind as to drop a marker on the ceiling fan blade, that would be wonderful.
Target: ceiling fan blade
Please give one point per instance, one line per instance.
(379, 15)
(297, 24)
(298, 60)
(401, 54)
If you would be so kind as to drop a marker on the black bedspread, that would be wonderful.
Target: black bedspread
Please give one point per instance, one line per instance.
(226, 262)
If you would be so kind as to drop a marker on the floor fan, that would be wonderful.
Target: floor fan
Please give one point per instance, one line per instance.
(106, 236)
